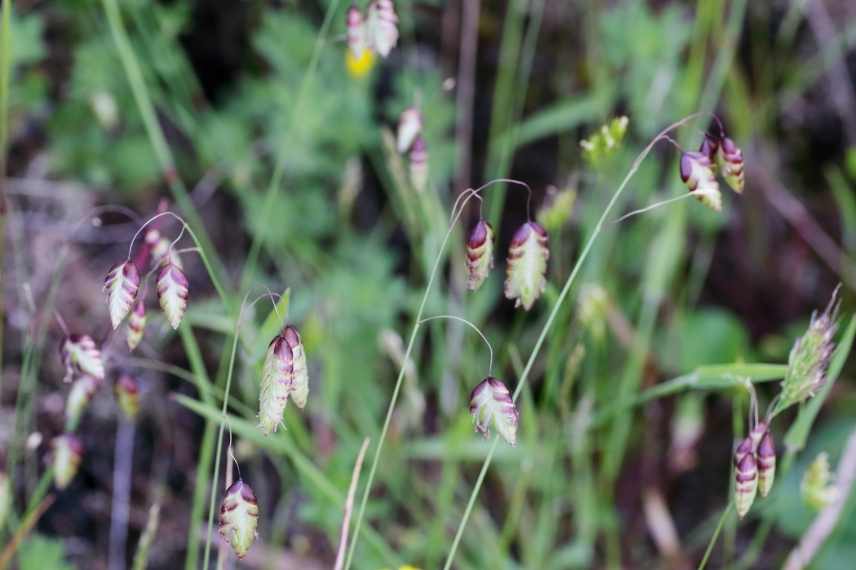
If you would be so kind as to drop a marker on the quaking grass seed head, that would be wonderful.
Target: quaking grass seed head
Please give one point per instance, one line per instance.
(136, 325)
(526, 275)
(709, 147)
(746, 477)
(299, 390)
(81, 355)
(766, 457)
(382, 26)
(491, 406)
(479, 254)
(239, 517)
(276, 384)
(67, 455)
(809, 358)
(121, 285)
(172, 289)
(730, 160)
(697, 173)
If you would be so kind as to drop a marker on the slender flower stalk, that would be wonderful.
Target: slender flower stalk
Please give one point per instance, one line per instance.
(565, 291)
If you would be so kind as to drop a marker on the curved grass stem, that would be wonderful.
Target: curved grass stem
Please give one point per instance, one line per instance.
(554, 313)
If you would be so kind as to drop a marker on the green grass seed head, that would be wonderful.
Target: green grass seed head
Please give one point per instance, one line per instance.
(136, 325)
(730, 160)
(128, 396)
(121, 285)
(479, 254)
(527, 265)
(746, 477)
(172, 288)
(817, 488)
(491, 406)
(239, 517)
(81, 393)
(809, 357)
(81, 355)
(697, 173)
(276, 384)
(299, 389)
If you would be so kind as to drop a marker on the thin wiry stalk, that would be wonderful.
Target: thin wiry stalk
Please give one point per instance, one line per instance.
(155, 133)
(457, 211)
(214, 487)
(552, 316)
(349, 506)
(713, 538)
(122, 467)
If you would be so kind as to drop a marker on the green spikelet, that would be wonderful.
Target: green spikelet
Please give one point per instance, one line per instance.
(277, 376)
(239, 517)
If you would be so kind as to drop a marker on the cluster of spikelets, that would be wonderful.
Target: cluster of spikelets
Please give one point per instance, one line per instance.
(817, 487)
(84, 362)
(755, 456)
(698, 170)
(370, 34)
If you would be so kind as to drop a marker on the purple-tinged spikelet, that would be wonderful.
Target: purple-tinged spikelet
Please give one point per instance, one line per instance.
(491, 406)
(239, 517)
(746, 477)
(730, 159)
(527, 265)
(172, 289)
(81, 355)
(479, 254)
(79, 397)
(697, 173)
(419, 164)
(356, 32)
(67, 454)
(299, 389)
(136, 325)
(276, 384)
(709, 146)
(766, 456)
(128, 396)
(121, 285)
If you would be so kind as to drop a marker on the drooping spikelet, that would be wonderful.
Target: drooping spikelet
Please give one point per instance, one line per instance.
(809, 357)
(67, 454)
(299, 389)
(172, 289)
(239, 517)
(527, 265)
(746, 477)
(382, 26)
(419, 164)
(79, 397)
(479, 254)
(697, 174)
(709, 146)
(276, 384)
(128, 396)
(730, 160)
(766, 456)
(81, 355)
(121, 285)
(409, 127)
(491, 406)
(136, 325)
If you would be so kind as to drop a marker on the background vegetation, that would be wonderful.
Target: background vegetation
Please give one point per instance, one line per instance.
(243, 118)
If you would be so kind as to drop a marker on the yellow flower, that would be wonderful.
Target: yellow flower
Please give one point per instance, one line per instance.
(358, 67)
